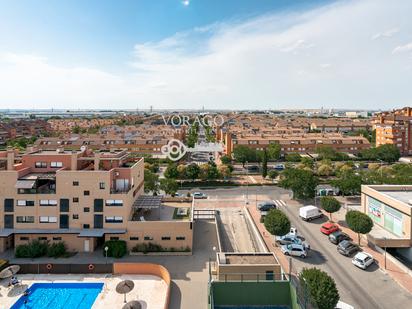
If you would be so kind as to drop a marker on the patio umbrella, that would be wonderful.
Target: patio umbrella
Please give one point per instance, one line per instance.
(124, 287)
(134, 304)
(9, 271)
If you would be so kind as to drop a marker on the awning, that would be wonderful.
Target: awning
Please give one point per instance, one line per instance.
(148, 201)
(25, 184)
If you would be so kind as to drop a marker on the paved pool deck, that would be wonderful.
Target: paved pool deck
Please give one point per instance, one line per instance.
(151, 291)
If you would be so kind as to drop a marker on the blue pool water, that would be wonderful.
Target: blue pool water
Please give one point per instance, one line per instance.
(59, 296)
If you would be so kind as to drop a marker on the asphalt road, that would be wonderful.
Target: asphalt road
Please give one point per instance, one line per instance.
(362, 289)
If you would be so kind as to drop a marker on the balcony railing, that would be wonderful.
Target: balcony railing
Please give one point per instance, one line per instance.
(123, 190)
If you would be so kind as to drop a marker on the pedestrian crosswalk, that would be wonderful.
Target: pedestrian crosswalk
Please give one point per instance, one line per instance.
(280, 203)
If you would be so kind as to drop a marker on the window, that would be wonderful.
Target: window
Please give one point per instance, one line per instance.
(86, 209)
(56, 164)
(42, 238)
(102, 185)
(98, 205)
(44, 219)
(114, 219)
(25, 203)
(114, 238)
(25, 219)
(148, 238)
(48, 202)
(75, 199)
(8, 204)
(40, 164)
(134, 238)
(57, 238)
(64, 205)
(75, 183)
(114, 202)
(165, 237)
(86, 192)
(24, 238)
(86, 226)
(75, 217)
(180, 238)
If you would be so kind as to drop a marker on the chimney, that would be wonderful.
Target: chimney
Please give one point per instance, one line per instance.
(10, 158)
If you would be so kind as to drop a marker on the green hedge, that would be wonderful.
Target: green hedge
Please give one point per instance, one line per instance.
(37, 248)
(151, 247)
(117, 248)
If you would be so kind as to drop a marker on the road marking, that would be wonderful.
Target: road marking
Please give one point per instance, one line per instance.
(279, 203)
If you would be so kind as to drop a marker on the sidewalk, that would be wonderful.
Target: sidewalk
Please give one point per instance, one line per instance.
(393, 270)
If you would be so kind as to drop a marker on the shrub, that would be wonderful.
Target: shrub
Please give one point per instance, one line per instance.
(116, 248)
(330, 204)
(359, 222)
(33, 249)
(57, 249)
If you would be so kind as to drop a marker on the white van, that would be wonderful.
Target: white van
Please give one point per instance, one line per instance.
(309, 212)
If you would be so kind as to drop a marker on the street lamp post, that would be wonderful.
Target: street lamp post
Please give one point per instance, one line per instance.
(384, 239)
(105, 250)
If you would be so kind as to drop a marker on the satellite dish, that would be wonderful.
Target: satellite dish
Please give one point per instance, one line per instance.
(83, 148)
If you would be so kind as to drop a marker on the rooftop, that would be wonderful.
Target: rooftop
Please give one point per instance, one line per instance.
(402, 193)
(247, 258)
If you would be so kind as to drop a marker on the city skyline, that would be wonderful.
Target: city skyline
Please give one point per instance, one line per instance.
(265, 55)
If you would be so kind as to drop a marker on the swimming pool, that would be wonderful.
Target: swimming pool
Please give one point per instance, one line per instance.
(59, 296)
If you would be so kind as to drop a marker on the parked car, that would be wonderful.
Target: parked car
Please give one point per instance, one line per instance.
(279, 167)
(294, 250)
(338, 236)
(328, 228)
(253, 168)
(266, 206)
(310, 212)
(177, 194)
(347, 248)
(199, 195)
(363, 260)
(292, 239)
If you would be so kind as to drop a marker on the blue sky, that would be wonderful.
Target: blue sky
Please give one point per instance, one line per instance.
(193, 53)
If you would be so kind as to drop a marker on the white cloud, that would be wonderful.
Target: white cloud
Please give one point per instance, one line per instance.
(323, 57)
(402, 48)
(386, 34)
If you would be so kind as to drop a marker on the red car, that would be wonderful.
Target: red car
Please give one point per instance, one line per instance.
(328, 228)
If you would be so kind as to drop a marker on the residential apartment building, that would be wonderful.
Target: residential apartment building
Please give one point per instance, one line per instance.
(22, 128)
(297, 143)
(140, 140)
(394, 128)
(84, 198)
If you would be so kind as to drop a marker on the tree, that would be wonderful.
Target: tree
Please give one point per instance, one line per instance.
(213, 172)
(293, 157)
(224, 171)
(330, 204)
(326, 152)
(181, 169)
(171, 171)
(277, 223)
(319, 287)
(388, 153)
(169, 185)
(192, 171)
(264, 164)
(348, 182)
(242, 154)
(307, 162)
(325, 170)
(204, 171)
(226, 159)
(273, 174)
(358, 222)
(303, 183)
(273, 152)
(151, 182)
